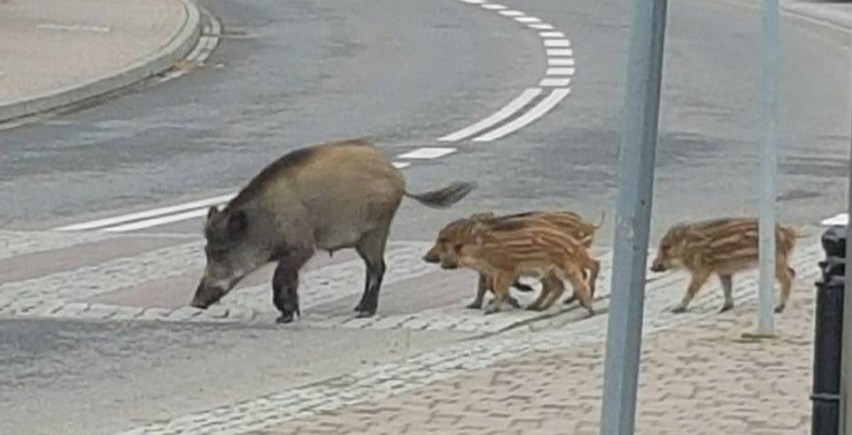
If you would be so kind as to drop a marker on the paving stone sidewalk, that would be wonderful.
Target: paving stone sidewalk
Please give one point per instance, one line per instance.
(59, 52)
(698, 378)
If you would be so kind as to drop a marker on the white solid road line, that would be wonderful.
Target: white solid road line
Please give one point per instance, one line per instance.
(508, 110)
(148, 223)
(100, 223)
(536, 112)
(171, 214)
(427, 153)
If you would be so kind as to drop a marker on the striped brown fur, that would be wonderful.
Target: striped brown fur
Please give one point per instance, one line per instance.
(538, 249)
(723, 246)
(568, 221)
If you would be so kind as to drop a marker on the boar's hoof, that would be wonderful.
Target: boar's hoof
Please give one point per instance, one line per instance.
(362, 314)
(779, 309)
(726, 307)
(534, 307)
(475, 305)
(679, 309)
(284, 318)
(570, 300)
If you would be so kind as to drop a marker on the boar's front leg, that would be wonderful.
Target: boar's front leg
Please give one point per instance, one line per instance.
(371, 248)
(285, 292)
(285, 285)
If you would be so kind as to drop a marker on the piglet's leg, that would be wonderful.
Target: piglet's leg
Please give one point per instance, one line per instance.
(502, 282)
(482, 286)
(699, 278)
(727, 281)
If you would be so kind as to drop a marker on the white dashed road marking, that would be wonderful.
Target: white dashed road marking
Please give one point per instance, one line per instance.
(560, 56)
(524, 109)
(537, 111)
(560, 52)
(558, 61)
(508, 110)
(427, 153)
(554, 82)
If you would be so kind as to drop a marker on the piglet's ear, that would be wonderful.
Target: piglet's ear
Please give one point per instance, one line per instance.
(237, 222)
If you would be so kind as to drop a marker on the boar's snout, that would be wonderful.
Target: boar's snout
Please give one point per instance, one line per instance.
(432, 256)
(206, 295)
(449, 262)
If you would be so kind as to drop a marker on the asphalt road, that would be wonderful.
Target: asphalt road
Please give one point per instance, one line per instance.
(404, 73)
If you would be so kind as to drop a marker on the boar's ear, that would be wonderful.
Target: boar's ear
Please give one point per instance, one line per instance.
(212, 212)
(237, 222)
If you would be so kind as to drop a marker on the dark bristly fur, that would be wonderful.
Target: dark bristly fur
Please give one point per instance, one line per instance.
(327, 197)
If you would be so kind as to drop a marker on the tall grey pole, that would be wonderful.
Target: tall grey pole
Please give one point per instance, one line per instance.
(768, 169)
(845, 409)
(633, 214)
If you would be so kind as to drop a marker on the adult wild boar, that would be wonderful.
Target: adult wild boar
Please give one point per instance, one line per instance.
(326, 197)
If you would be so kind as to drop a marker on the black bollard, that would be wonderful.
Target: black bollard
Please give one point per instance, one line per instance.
(828, 333)
(834, 241)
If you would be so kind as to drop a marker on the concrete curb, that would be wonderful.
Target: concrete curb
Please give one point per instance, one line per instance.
(818, 12)
(177, 48)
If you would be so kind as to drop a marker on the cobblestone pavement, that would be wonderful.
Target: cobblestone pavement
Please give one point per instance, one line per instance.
(104, 277)
(698, 376)
(524, 370)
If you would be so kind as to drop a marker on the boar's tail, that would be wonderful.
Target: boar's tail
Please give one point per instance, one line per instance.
(443, 198)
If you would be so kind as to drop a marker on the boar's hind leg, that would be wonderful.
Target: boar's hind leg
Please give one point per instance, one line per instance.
(371, 248)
